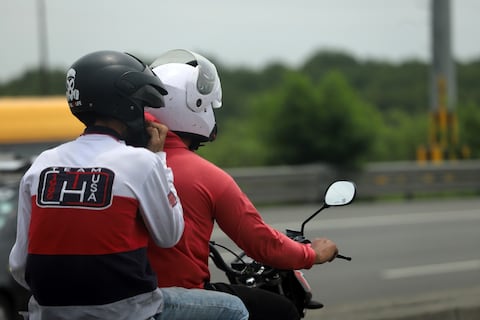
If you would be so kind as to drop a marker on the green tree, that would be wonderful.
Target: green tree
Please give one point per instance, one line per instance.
(392, 98)
(236, 146)
(303, 123)
(469, 123)
(468, 75)
(290, 120)
(387, 85)
(35, 82)
(239, 85)
(349, 127)
(400, 136)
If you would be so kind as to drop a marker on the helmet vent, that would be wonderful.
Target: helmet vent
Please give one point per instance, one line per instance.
(199, 102)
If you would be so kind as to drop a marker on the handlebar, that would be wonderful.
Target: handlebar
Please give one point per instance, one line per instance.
(340, 256)
(218, 260)
(299, 237)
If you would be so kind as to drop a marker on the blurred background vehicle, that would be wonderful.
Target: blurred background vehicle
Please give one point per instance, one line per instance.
(13, 297)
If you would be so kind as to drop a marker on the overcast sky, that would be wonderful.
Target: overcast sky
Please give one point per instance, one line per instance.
(238, 33)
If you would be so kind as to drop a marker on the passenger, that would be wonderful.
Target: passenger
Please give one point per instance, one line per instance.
(88, 207)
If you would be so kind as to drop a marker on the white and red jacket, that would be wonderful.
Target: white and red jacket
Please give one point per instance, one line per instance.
(86, 211)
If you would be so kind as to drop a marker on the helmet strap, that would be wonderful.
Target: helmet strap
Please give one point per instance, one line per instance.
(193, 141)
(194, 145)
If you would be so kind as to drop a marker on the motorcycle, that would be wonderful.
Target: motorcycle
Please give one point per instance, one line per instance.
(290, 283)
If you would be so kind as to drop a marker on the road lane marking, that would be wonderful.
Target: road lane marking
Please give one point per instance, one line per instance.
(431, 269)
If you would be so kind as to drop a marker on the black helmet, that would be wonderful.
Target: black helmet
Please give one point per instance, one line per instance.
(113, 84)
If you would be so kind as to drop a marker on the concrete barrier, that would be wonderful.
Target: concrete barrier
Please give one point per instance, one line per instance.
(409, 179)
(455, 304)
(307, 183)
(265, 185)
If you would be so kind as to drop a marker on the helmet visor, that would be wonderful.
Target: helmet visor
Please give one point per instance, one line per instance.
(143, 86)
(206, 73)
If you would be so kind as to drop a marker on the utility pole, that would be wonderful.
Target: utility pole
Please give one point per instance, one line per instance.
(443, 131)
(43, 47)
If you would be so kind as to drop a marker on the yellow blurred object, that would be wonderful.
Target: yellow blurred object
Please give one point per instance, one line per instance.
(37, 119)
(422, 155)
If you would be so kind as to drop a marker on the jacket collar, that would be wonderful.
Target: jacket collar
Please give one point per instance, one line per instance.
(102, 130)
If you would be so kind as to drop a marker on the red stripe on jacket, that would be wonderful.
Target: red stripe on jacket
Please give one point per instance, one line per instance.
(76, 231)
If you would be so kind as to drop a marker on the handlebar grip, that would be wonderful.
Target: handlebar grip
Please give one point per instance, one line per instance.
(339, 256)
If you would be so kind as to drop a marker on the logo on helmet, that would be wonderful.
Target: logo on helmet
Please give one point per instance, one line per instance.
(73, 94)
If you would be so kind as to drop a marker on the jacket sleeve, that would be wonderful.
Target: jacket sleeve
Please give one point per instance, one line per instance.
(18, 254)
(159, 204)
(240, 220)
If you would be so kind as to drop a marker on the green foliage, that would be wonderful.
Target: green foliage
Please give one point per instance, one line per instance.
(387, 85)
(468, 77)
(400, 136)
(302, 123)
(238, 85)
(35, 83)
(290, 121)
(334, 108)
(350, 125)
(235, 146)
(469, 117)
(323, 123)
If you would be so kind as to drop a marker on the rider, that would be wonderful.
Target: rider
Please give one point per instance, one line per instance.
(209, 194)
(88, 208)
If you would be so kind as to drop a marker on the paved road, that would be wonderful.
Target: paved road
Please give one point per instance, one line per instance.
(398, 248)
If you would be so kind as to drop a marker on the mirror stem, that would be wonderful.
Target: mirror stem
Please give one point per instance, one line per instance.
(311, 217)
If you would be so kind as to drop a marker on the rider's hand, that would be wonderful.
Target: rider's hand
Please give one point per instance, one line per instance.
(158, 133)
(325, 249)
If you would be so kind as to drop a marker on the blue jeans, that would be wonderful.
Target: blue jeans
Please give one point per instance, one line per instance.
(199, 304)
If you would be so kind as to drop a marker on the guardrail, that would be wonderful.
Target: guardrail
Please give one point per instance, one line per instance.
(407, 179)
(307, 183)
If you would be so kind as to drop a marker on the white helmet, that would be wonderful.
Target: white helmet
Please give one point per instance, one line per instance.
(194, 90)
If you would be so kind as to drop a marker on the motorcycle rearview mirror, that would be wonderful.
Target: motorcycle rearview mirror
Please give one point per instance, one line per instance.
(339, 193)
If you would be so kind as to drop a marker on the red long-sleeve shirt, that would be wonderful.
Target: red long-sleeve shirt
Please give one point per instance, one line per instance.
(209, 194)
